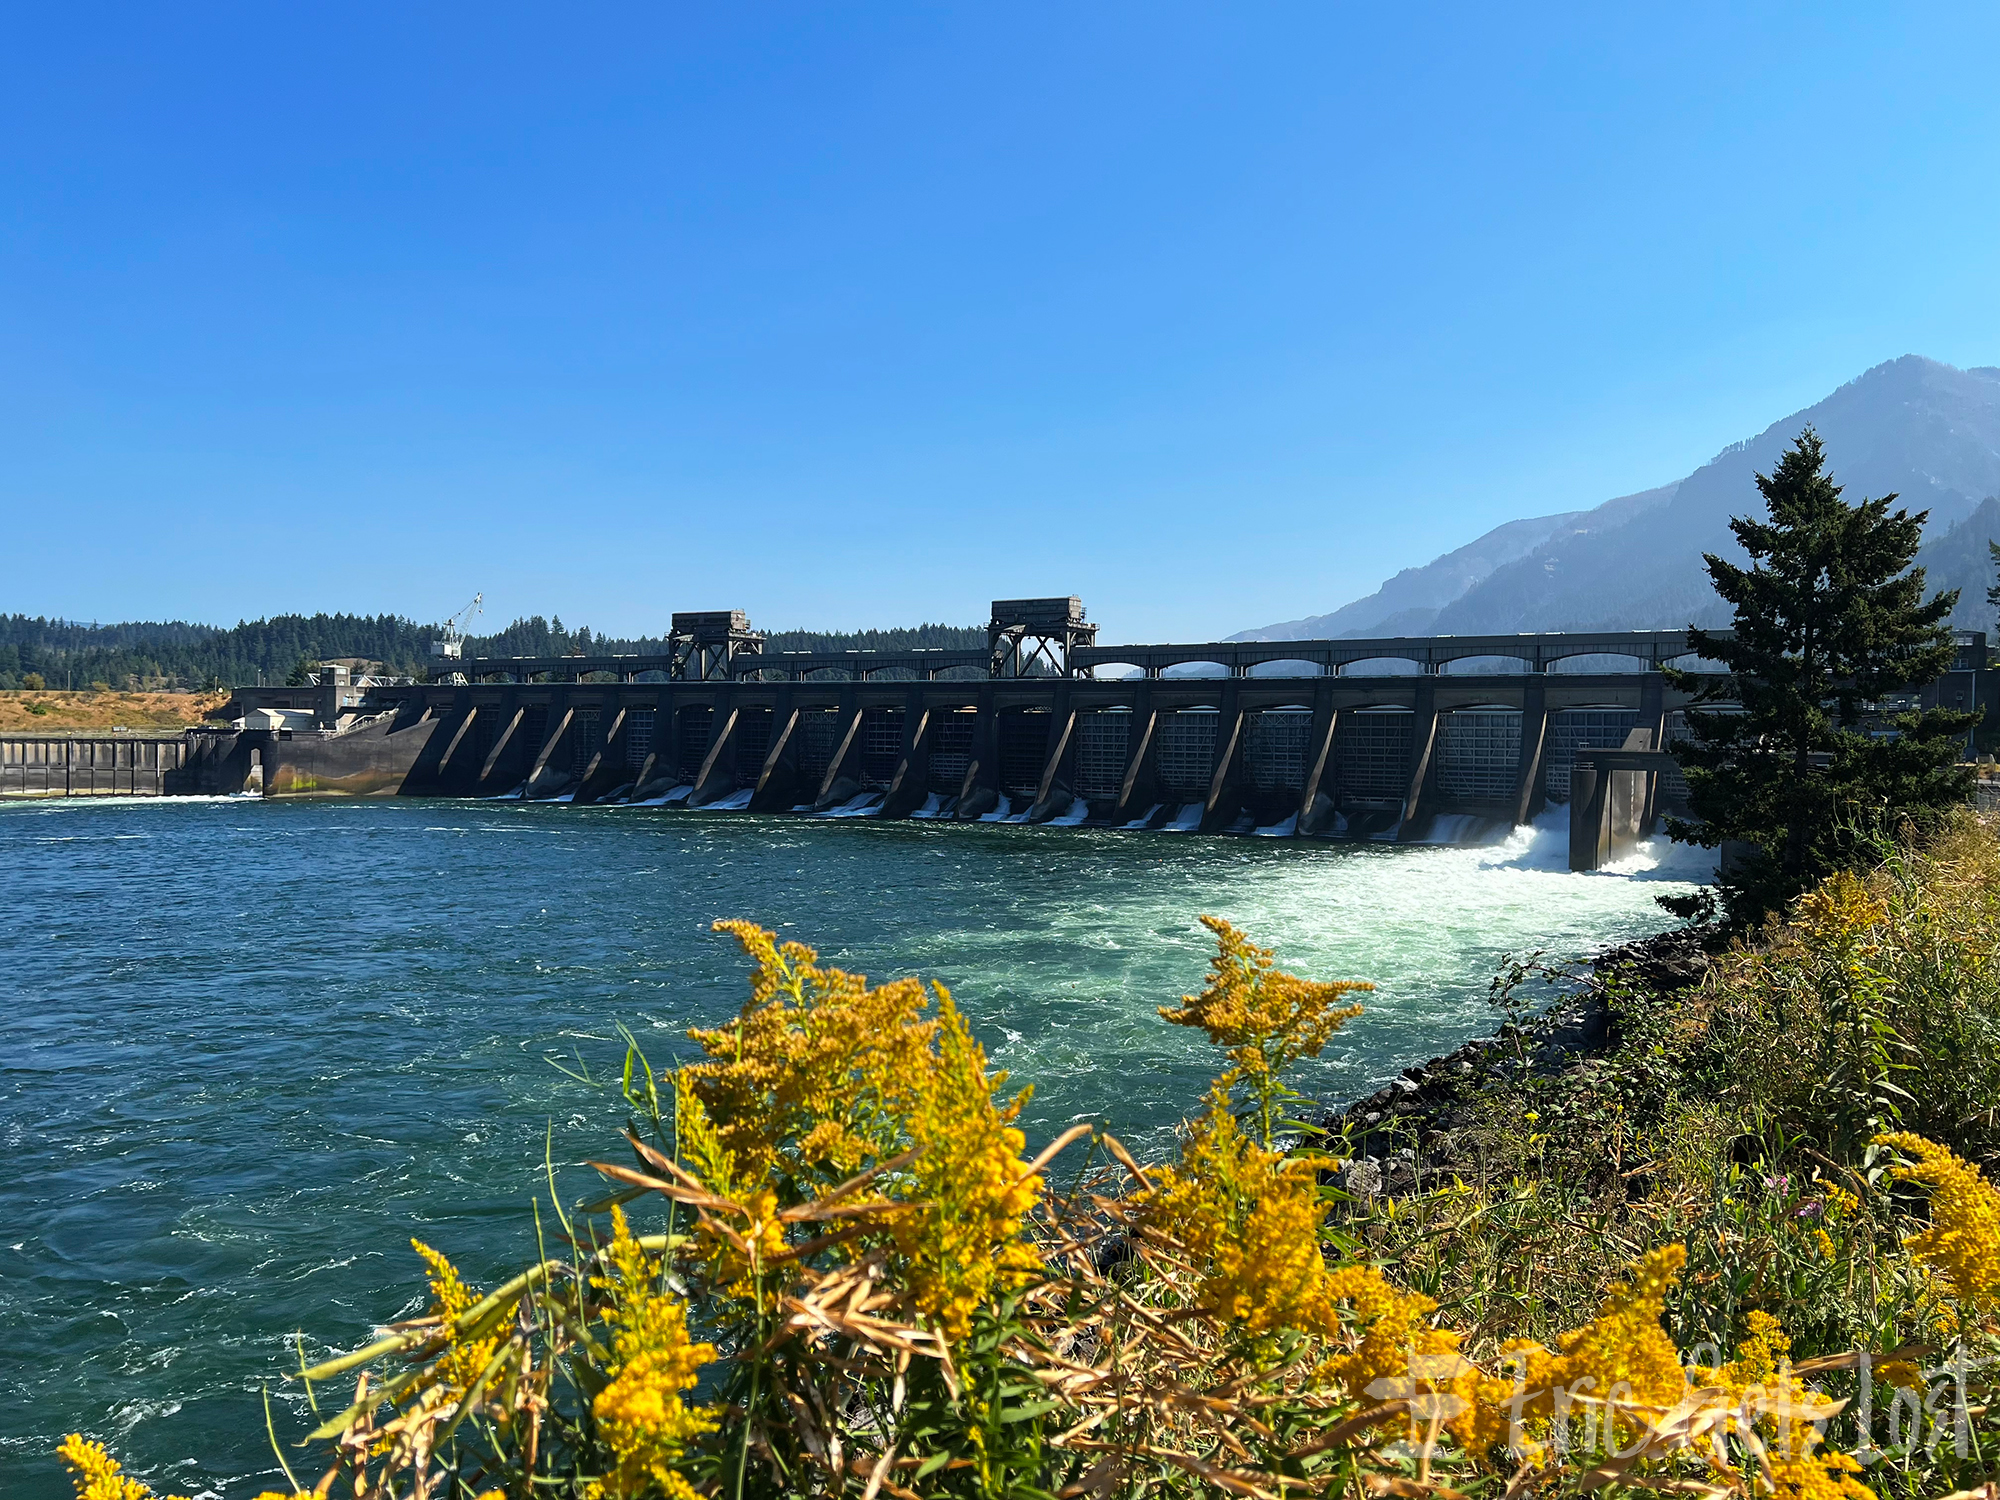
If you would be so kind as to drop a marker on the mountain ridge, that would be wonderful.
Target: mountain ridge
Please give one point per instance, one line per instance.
(1927, 431)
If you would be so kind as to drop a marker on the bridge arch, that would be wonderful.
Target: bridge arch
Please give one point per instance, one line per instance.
(1196, 667)
(1444, 651)
(1599, 664)
(1285, 666)
(1486, 666)
(1690, 662)
(1382, 666)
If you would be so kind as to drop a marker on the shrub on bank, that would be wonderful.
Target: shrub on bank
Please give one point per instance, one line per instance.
(1748, 1251)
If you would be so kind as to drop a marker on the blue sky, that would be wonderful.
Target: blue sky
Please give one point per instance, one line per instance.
(864, 315)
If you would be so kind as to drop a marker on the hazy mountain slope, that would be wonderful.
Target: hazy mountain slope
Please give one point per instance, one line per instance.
(1959, 560)
(1409, 602)
(1927, 431)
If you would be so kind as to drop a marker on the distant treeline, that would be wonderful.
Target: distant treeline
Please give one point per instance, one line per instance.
(176, 654)
(920, 638)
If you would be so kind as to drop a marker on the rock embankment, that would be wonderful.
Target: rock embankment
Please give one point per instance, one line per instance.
(1401, 1132)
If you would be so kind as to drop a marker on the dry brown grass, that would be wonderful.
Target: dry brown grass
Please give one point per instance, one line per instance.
(94, 713)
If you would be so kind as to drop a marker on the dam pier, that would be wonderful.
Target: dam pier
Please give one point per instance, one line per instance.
(1440, 737)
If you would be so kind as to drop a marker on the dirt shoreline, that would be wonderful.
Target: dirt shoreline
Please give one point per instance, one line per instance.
(69, 713)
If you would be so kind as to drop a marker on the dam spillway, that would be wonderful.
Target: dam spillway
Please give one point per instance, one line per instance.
(1379, 739)
(95, 765)
(1360, 759)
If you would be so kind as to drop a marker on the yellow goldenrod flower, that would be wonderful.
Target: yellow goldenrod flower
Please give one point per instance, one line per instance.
(1818, 1475)
(1251, 1220)
(1265, 1018)
(1624, 1345)
(641, 1413)
(741, 1272)
(95, 1474)
(1901, 1374)
(791, 1087)
(964, 1239)
(1624, 1355)
(819, 1076)
(461, 1362)
(1763, 1353)
(1786, 1414)
(1963, 1241)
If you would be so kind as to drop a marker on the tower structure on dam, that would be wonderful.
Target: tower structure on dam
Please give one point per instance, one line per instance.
(1029, 637)
(1399, 738)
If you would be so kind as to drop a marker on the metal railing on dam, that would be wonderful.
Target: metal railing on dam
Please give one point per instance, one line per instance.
(1319, 739)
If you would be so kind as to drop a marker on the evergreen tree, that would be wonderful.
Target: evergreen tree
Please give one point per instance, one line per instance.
(1830, 619)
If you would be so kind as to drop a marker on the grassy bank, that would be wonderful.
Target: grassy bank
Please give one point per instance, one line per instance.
(1737, 1111)
(1740, 1240)
(92, 713)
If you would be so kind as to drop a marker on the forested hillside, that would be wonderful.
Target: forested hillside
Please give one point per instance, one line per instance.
(175, 654)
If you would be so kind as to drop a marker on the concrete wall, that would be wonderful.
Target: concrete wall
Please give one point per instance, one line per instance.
(378, 759)
(102, 766)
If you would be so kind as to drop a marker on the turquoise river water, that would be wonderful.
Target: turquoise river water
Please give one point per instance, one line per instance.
(251, 1048)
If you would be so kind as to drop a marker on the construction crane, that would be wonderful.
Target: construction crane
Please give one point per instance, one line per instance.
(451, 645)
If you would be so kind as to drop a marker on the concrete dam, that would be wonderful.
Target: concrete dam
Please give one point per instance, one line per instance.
(1395, 739)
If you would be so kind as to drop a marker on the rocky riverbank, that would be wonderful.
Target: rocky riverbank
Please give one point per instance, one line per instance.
(1410, 1129)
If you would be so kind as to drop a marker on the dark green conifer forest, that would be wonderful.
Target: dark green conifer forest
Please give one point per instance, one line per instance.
(175, 654)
